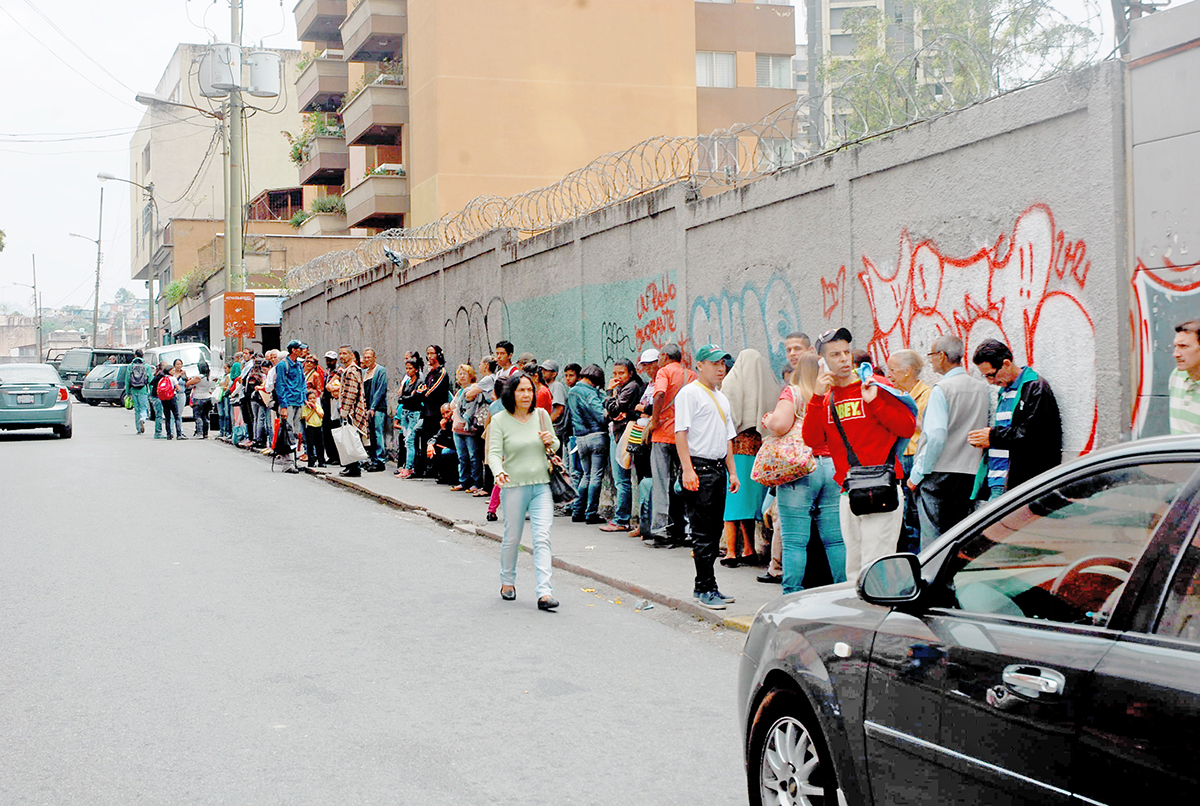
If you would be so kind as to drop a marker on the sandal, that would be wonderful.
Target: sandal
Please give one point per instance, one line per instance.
(481, 494)
(457, 488)
(616, 527)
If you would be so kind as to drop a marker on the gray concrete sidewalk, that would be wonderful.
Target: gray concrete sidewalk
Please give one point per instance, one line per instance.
(662, 576)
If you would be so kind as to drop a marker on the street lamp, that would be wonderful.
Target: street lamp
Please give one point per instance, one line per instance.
(96, 300)
(152, 334)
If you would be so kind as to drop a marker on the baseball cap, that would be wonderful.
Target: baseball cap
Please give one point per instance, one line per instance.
(331, 354)
(550, 366)
(649, 356)
(711, 352)
(837, 334)
(526, 358)
(296, 344)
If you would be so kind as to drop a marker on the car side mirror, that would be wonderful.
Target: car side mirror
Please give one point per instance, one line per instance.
(891, 580)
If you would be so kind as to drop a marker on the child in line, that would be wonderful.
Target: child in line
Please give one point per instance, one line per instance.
(313, 415)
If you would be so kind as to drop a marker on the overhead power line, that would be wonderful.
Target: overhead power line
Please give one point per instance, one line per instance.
(86, 55)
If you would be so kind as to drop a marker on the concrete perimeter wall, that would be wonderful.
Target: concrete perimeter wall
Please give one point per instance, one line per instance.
(1004, 220)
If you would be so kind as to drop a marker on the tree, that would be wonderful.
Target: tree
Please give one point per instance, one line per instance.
(942, 55)
(1, 240)
(124, 295)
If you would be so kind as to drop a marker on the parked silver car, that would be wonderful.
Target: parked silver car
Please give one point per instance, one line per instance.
(34, 396)
(105, 384)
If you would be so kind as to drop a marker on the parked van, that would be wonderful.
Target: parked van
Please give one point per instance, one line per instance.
(192, 353)
(79, 361)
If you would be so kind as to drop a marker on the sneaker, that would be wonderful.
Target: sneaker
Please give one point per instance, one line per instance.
(721, 596)
(711, 600)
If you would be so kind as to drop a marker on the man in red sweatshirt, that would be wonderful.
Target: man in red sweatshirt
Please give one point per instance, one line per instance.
(874, 416)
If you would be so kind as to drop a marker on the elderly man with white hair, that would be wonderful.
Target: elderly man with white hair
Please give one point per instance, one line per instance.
(904, 369)
(943, 472)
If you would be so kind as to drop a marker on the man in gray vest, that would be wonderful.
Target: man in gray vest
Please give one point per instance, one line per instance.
(943, 473)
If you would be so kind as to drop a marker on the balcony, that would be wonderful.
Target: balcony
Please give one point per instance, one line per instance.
(374, 117)
(322, 85)
(372, 31)
(378, 201)
(328, 160)
(320, 20)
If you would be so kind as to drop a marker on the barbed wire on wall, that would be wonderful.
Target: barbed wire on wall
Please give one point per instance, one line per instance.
(943, 75)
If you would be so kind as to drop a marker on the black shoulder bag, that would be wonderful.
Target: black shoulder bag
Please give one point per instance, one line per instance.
(871, 489)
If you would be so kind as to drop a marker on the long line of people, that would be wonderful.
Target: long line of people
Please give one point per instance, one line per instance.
(677, 444)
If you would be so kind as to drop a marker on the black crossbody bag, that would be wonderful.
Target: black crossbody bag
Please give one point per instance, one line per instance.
(872, 489)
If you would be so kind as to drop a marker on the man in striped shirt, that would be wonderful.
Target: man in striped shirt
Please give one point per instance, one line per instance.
(1184, 385)
(1026, 438)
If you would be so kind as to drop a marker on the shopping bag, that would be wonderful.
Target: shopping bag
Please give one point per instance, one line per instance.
(349, 444)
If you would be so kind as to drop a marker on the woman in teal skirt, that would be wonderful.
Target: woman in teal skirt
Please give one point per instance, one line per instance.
(752, 392)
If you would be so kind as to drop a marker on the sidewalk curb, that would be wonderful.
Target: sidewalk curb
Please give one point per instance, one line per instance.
(740, 623)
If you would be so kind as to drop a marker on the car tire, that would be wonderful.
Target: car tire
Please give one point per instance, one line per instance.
(789, 757)
(64, 431)
(92, 402)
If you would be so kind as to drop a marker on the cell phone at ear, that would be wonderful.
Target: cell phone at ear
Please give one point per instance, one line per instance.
(824, 367)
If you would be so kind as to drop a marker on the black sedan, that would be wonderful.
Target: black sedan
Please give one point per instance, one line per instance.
(1046, 650)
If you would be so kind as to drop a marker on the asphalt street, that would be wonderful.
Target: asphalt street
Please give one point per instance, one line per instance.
(181, 625)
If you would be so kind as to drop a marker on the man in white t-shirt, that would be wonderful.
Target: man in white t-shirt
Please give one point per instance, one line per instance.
(704, 435)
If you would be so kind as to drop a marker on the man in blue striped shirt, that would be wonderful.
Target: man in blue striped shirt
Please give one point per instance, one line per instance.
(1026, 438)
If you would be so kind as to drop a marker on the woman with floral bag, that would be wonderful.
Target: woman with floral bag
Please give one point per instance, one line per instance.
(811, 500)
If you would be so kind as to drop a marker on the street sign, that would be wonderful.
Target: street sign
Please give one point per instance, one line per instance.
(239, 313)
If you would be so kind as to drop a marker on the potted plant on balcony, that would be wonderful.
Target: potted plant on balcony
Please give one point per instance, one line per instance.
(326, 215)
(317, 124)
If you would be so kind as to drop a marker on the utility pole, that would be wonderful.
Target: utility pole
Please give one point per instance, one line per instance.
(235, 271)
(37, 310)
(96, 301)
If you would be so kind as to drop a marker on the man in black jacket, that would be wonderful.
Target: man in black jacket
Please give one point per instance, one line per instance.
(1026, 438)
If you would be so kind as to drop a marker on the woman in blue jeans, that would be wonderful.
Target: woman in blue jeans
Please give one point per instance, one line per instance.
(624, 393)
(467, 442)
(812, 500)
(591, 441)
(408, 412)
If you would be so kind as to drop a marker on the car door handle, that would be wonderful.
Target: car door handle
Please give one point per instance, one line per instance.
(1026, 679)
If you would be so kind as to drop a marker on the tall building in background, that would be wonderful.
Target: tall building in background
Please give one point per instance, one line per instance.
(419, 106)
(180, 152)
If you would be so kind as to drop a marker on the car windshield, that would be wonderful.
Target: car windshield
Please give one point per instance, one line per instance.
(75, 359)
(27, 373)
(102, 371)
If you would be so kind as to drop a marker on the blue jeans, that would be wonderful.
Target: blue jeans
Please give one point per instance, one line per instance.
(470, 460)
(262, 423)
(377, 443)
(180, 402)
(536, 501)
(223, 416)
(141, 407)
(910, 532)
(623, 487)
(593, 455)
(572, 460)
(814, 495)
(156, 407)
(645, 506)
(410, 422)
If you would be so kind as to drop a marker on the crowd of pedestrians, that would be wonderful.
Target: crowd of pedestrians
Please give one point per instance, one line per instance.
(675, 440)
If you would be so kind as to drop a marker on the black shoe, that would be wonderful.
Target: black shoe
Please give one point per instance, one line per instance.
(376, 467)
(291, 469)
(770, 579)
(351, 472)
(595, 521)
(577, 519)
(546, 603)
(491, 516)
(659, 544)
(731, 562)
(508, 596)
(180, 436)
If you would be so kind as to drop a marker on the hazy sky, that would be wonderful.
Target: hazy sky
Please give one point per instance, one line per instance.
(70, 115)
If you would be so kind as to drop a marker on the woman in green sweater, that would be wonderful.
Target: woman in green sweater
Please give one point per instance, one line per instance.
(519, 438)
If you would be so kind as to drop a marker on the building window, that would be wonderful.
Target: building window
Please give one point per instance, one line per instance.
(775, 152)
(717, 155)
(773, 71)
(716, 69)
(146, 159)
(146, 221)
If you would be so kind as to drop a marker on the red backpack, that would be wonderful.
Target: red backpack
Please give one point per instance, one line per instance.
(166, 388)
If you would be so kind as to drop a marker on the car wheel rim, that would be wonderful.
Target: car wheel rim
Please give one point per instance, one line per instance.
(790, 773)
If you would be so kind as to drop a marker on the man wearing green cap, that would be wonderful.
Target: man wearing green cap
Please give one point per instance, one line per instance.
(704, 435)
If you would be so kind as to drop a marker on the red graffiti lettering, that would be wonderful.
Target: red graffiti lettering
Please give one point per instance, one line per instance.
(656, 313)
(1022, 290)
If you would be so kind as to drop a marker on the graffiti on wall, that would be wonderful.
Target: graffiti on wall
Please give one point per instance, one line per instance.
(1162, 298)
(1023, 289)
(655, 309)
(757, 316)
(615, 343)
(474, 329)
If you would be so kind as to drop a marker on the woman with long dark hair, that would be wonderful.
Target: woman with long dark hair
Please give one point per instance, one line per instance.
(434, 392)
(520, 437)
(591, 441)
(624, 392)
(409, 408)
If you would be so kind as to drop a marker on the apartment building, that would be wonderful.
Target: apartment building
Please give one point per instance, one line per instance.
(419, 106)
